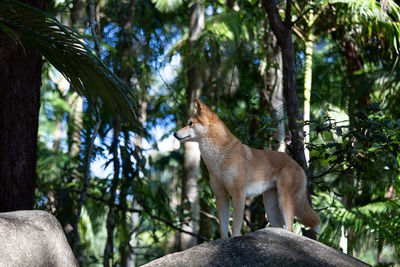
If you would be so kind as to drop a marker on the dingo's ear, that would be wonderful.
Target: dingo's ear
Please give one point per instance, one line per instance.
(198, 105)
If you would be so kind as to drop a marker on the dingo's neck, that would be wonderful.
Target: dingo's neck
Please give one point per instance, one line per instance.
(216, 144)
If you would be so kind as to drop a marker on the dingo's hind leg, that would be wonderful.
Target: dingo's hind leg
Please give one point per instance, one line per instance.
(271, 205)
(286, 205)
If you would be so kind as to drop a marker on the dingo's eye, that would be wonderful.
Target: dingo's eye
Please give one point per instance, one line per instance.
(190, 123)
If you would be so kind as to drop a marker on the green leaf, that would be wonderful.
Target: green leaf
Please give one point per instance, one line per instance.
(62, 47)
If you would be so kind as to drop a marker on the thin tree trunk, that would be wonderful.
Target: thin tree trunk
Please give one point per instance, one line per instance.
(78, 14)
(191, 163)
(75, 124)
(175, 189)
(76, 238)
(75, 101)
(274, 92)
(205, 226)
(126, 73)
(307, 91)
(283, 33)
(62, 86)
(190, 192)
(112, 216)
(129, 221)
(380, 250)
(20, 81)
(57, 134)
(129, 254)
(308, 37)
(93, 23)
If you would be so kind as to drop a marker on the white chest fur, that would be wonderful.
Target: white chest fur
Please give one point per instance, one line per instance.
(215, 159)
(212, 156)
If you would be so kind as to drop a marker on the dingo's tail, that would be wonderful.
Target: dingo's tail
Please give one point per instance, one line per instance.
(306, 214)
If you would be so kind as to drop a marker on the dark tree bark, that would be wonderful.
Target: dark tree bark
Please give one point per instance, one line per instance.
(283, 33)
(20, 81)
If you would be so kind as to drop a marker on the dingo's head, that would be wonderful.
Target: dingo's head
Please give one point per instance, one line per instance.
(197, 126)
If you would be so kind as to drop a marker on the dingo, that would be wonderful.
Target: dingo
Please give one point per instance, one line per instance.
(241, 171)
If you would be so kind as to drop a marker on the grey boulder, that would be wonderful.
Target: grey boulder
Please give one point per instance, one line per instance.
(33, 238)
(266, 247)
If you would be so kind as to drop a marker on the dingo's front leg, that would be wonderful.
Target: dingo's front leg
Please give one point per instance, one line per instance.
(223, 205)
(238, 205)
(223, 213)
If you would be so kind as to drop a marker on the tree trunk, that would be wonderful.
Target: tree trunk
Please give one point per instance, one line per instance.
(112, 216)
(78, 14)
(272, 92)
(125, 46)
(205, 225)
(129, 221)
(57, 133)
(75, 123)
(88, 160)
(20, 81)
(191, 163)
(75, 101)
(307, 91)
(283, 33)
(89, 153)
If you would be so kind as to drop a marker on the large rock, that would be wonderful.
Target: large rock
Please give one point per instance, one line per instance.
(267, 247)
(33, 238)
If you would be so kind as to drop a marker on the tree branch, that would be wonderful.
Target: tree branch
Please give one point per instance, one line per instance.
(94, 26)
(275, 20)
(298, 32)
(324, 173)
(288, 13)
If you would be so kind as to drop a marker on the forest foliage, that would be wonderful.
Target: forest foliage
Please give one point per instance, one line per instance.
(354, 136)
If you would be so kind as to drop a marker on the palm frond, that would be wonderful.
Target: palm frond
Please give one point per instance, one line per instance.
(383, 20)
(62, 47)
(228, 25)
(167, 5)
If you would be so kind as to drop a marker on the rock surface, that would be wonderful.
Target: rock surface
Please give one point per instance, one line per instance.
(266, 247)
(33, 238)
